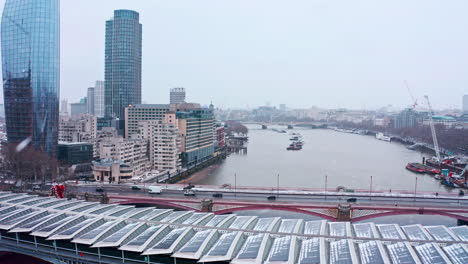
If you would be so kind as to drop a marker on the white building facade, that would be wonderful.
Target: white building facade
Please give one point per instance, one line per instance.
(133, 152)
(82, 128)
(164, 143)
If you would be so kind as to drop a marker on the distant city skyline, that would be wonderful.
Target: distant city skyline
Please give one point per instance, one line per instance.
(352, 54)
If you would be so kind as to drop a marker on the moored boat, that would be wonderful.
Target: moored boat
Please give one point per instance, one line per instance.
(416, 169)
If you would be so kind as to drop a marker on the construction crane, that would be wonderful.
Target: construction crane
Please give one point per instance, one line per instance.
(414, 100)
(434, 135)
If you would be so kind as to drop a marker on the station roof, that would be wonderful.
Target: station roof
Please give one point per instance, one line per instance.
(207, 237)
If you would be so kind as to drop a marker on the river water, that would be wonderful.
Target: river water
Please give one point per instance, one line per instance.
(328, 158)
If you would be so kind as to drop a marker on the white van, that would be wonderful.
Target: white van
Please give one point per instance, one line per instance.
(154, 189)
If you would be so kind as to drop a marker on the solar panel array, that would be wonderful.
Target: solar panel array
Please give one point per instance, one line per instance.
(229, 238)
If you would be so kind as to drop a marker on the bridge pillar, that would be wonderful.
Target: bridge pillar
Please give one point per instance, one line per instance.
(207, 205)
(344, 213)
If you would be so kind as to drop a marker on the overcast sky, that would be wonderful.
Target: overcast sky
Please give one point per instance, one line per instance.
(303, 53)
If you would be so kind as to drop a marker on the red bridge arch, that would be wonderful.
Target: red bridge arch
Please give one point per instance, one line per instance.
(277, 208)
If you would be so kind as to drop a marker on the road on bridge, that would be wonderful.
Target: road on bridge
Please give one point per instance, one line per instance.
(330, 198)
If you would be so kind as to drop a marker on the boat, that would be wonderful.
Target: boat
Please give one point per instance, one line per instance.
(296, 138)
(278, 130)
(437, 177)
(381, 136)
(290, 127)
(449, 183)
(416, 169)
(421, 168)
(294, 146)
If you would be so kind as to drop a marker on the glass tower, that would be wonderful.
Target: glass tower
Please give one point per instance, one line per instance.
(30, 40)
(122, 62)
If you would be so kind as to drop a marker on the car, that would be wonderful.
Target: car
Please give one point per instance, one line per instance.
(351, 200)
(136, 188)
(189, 186)
(99, 190)
(155, 189)
(218, 195)
(189, 193)
(271, 198)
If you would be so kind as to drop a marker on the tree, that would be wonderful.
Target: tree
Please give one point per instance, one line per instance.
(236, 127)
(28, 165)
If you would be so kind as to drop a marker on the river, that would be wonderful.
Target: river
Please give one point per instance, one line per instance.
(328, 158)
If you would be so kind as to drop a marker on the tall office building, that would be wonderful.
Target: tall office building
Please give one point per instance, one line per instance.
(90, 101)
(99, 99)
(465, 104)
(64, 107)
(196, 128)
(122, 62)
(30, 39)
(177, 95)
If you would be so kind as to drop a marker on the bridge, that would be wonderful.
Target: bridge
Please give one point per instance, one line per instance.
(330, 211)
(330, 205)
(74, 231)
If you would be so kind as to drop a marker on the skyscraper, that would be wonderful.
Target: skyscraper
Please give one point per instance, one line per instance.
(90, 101)
(99, 99)
(30, 40)
(177, 95)
(122, 62)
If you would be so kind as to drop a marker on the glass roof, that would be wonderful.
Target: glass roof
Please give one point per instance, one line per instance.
(95, 232)
(172, 216)
(221, 247)
(389, 231)
(169, 239)
(193, 218)
(68, 205)
(400, 254)
(53, 226)
(78, 226)
(17, 219)
(216, 220)
(340, 253)
(240, 221)
(457, 253)
(14, 214)
(429, 254)
(119, 234)
(280, 249)
(461, 232)
(120, 213)
(310, 251)
(370, 253)
(415, 232)
(338, 229)
(143, 237)
(439, 233)
(363, 230)
(195, 243)
(251, 247)
(287, 225)
(263, 224)
(31, 224)
(312, 227)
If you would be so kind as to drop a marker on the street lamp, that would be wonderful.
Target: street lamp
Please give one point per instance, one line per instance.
(326, 181)
(415, 187)
(277, 186)
(235, 184)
